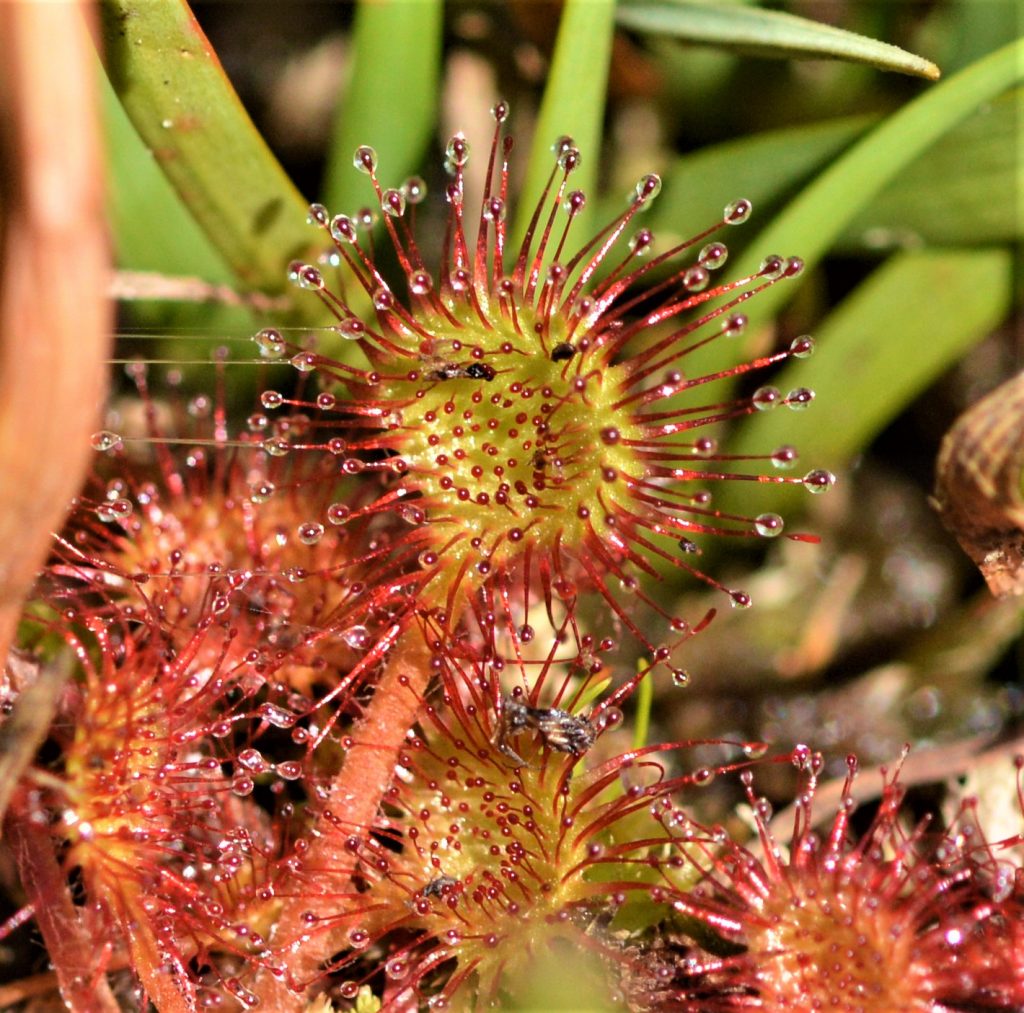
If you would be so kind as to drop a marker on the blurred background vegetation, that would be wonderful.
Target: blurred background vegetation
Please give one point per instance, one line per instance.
(903, 195)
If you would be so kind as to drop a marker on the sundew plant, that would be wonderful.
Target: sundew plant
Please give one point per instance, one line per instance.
(522, 558)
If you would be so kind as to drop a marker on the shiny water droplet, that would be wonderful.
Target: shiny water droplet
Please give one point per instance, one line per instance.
(275, 715)
(351, 328)
(290, 770)
(106, 440)
(713, 256)
(304, 362)
(493, 210)
(243, 786)
(261, 491)
(396, 968)
(357, 637)
(365, 159)
(734, 325)
(695, 279)
(740, 599)
(802, 347)
(456, 152)
(766, 397)
(772, 267)
(392, 202)
(819, 480)
(338, 513)
(253, 759)
(270, 343)
(308, 277)
(415, 189)
(680, 678)
(768, 525)
(641, 243)
(115, 510)
(310, 533)
(271, 399)
(343, 230)
(784, 457)
(276, 446)
(420, 282)
(737, 212)
(317, 215)
(647, 188)
(799, 398)
(411, 514)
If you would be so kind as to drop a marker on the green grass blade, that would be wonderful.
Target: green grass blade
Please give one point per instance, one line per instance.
(391, 103)
(573, 104)
(884, 344)
(767, 33)
(811, 223)
(765, 168)
(139, 195)
(951, 196)
(644, 702)
(177, 96)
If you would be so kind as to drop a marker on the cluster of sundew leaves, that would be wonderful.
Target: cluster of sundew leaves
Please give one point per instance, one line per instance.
(510, 828)
(226, 572)
(530, 410)
(900, 916)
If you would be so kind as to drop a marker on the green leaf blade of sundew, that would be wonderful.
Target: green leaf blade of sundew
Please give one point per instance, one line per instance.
(573, 104)
(176, 94)
(810, 224)
(767, 33)
(391, 102)
(878, 350)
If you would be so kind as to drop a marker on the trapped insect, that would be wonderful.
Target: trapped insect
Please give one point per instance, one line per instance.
(559, 729)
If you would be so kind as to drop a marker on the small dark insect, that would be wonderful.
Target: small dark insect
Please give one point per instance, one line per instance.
(437, 886)
(560, 730)
(562, 352)
(481, 371)
(454, 370)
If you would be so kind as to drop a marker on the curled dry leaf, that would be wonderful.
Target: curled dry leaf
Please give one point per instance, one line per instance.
(978, 490)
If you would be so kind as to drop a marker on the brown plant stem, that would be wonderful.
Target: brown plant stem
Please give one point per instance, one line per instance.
(71, 949)
(351, 808)
(54, 314)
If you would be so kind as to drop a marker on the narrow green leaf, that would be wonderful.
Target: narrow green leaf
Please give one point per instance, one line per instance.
(954, 195)
(644, 702)
(573, 104)
(765, 168)
(811, 223)
(177, 95)
(766, 33)
(391, 102)
(139, 195)
(153, 231)
(887, 341)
